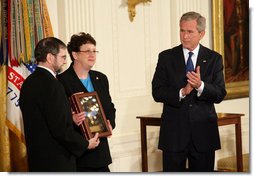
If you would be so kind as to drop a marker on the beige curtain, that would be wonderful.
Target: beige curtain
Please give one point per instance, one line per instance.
(12, 150)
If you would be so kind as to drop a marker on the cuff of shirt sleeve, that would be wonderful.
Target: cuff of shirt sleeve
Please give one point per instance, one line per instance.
(181, 95)
(200, 89)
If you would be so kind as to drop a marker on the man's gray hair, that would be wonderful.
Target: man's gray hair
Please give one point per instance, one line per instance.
(201, 21)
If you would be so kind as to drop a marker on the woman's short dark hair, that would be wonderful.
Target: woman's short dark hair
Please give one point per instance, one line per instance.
(77, 40)
(47, 45)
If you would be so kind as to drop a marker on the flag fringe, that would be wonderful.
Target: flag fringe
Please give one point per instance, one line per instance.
(15, 130)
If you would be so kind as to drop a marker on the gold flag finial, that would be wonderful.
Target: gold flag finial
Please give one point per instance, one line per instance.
(131, 7)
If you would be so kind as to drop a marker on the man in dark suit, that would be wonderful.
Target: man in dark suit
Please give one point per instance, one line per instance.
(80, 77)
(188, 85)
(51, 141)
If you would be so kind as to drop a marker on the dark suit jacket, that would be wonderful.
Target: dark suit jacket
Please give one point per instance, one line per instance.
(193, 118)
(52, 143)
(100, 156)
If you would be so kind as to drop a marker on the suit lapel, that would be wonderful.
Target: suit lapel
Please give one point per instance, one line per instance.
(179, 64)
(202, 61)
(76, 81)
(94, 79)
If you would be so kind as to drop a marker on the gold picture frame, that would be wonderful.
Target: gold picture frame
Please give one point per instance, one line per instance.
(95, 121)
(237, 89)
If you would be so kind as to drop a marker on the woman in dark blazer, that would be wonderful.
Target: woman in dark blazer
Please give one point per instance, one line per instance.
(80, 78)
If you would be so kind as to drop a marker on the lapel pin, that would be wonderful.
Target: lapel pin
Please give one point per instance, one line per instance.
(204, 61)
(97, 78)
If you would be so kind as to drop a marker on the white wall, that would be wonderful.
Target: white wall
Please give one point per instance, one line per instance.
(128, 56)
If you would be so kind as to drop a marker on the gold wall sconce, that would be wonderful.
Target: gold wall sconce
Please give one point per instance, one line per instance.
(131, 7)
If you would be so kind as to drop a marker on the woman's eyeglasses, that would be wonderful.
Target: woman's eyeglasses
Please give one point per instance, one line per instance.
(90, 51)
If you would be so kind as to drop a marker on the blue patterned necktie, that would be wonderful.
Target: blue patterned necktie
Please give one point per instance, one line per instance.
(189, 65)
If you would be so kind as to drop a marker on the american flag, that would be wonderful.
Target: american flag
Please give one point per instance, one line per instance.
(31, 67)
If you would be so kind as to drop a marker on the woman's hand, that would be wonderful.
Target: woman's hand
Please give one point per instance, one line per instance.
(78, 118)
(94, 142)
(110, 128)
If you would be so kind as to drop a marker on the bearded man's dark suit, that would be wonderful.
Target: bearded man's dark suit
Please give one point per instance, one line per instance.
(100, 156)
(52, 143)
(192, 118)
